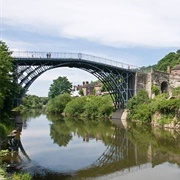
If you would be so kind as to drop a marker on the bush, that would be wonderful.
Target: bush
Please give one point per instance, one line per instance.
(25, 176)
(90, 106)
(106, 107)
(57, 104)
(142, 113)
(75, 107)
(155, 90)
(164, 120)
(98, 106)
(143, 109)
(138, 106)
(176, 92)
(3, 130)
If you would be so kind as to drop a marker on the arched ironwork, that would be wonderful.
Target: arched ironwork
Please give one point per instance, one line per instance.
(117, 77)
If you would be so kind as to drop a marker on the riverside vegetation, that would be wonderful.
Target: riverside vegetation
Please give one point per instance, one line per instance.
(9, 90)
(159, 111)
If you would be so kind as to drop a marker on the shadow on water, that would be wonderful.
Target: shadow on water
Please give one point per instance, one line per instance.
(127, 150)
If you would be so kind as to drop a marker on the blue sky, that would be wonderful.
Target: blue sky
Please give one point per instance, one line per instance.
(137, 32)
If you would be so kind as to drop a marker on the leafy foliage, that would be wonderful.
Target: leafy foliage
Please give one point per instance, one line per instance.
(90, 106)
(4, 153)
(9, 89)
(140, 98)
(81, 92)
(76, 106)
(155, 90)
(142, 108)
(176, 92)
(57, 104)
(172, 59)
(60, 85)
(21, 176)
(33, 102)
(147, 69)
(3, 130)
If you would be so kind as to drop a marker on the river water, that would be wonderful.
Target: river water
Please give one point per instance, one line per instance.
(71, 148)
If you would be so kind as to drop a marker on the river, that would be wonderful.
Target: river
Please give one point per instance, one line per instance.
(71, 148)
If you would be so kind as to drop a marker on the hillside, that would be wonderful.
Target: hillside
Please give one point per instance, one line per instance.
(172, 59)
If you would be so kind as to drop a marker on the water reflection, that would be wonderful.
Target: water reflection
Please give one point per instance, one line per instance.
(124, 150)
(135, 149)
(13, 143)
(63, 129)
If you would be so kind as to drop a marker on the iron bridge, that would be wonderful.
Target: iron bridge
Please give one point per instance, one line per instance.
(117, 77)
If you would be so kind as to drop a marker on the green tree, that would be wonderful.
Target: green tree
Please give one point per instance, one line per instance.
(172, 59)
(97, 106)
(138, 106)
(57, 104)
(76, 106)
(33, 102)
(140, 98)
(5, 68)
(9, 89)
(59, 86)
(106, 107)
(90, 106)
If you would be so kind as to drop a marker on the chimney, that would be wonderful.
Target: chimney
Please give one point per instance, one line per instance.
(168, 69)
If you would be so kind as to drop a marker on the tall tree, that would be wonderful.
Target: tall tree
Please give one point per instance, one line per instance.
(5, 68)
(59, 86)
(8, 87)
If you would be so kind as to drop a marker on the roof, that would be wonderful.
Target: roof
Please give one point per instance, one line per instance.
(176, 67)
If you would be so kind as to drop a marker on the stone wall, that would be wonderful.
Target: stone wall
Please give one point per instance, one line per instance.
(163, 81)
(174, 80)
(140, 81)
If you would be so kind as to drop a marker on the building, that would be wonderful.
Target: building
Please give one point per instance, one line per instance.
(89, 88)
(176, 70)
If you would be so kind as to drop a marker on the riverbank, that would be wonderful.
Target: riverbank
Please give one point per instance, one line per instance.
(156, 121)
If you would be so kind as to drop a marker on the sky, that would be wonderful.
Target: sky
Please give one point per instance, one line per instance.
(136, 32)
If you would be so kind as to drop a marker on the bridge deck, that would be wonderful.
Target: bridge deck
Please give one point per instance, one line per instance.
(44, 57)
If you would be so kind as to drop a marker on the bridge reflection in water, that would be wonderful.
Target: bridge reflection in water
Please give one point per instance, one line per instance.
(127, 150)
(126, 154)
(121, 155)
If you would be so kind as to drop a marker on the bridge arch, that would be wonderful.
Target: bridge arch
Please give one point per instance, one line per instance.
(118, 78)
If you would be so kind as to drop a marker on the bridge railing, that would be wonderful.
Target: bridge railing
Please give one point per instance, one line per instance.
(64, 55)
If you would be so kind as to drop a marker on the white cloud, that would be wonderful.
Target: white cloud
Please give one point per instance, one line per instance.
(113, 22)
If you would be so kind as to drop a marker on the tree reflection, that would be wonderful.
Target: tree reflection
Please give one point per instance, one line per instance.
(62, 129)
(33, 113)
